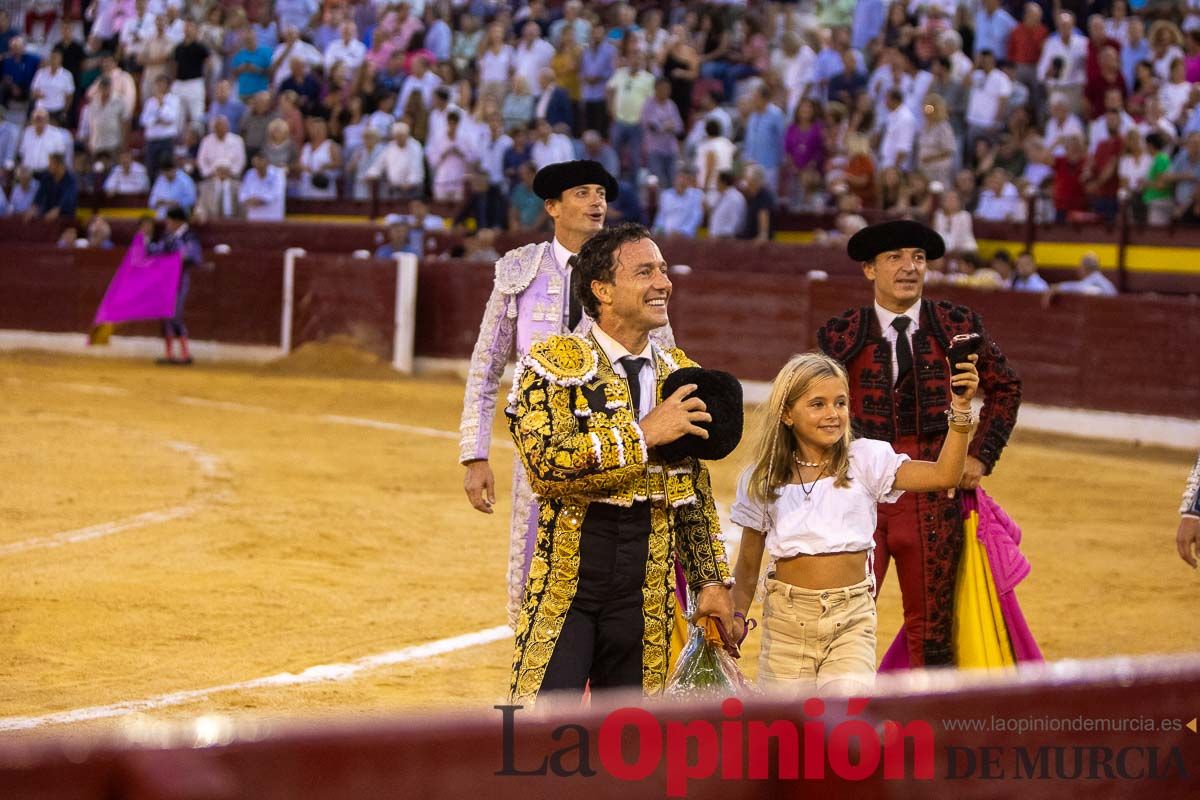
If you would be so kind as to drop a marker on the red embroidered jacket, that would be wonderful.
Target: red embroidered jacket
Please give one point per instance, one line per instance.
(855, 340)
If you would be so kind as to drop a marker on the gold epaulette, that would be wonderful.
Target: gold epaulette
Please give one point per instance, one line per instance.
(564, 359)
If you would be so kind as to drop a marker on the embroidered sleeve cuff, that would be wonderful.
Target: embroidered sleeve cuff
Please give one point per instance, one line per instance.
(473, 451)
(714, 576)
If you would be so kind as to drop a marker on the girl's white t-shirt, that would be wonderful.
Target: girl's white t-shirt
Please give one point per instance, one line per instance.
(830, 519)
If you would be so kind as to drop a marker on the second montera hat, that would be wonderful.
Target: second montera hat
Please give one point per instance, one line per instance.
(895, 235)
(554, 179)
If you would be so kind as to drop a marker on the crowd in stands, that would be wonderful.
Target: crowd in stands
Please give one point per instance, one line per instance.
(947, 110)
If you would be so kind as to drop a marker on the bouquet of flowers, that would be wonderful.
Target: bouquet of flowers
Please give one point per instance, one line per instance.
(707, 665)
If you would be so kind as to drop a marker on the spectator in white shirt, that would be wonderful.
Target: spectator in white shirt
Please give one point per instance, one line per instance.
(1000, 201)
(421, 80)
(495, 62)
(348, 49)
(896, 146)
(128, 177)
(795, 63)
(221, 145)
(549, 147)
(160, 118)
(714, 155)
(953, 223)
(1154, 120)
(1134, 166)
(442, 108)
(293, 47)
(919, 87)
(217, 197)
(680, 208)
(402, 164)
(707, 107)
(572, 17)
(1165, 46)
(41, 139)
(1062, 124)
(104, 16)
(382, 118)
(990, 90)
(123, 85)
(1063, 63)
(651, 38)
(1175, 94)
(263, 190)
(531, 56)
(53, 87)
(728, 215)
(175, 24)
(1098, 128)
(361, 159)
(888, 74)
(1091, 281)
(950, 46)
(449, 155)
(103, 119)
(136, 31)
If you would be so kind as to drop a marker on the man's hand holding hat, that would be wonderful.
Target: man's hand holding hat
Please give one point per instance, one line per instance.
(701, 417)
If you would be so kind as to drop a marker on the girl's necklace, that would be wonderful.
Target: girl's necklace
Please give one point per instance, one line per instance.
(808, 490)
(798, 460)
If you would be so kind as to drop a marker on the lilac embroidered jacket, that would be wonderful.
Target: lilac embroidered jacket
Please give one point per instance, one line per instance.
(526, 306)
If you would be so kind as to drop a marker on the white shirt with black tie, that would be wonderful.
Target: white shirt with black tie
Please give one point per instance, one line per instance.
(647, 382)
(892, 335)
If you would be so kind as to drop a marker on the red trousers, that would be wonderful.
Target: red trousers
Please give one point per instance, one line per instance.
(922, 532)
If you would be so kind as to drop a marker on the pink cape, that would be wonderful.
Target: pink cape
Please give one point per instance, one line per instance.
(1001, 539)
(143, 287)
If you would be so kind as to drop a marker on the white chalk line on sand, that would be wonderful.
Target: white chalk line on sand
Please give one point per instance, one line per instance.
(84, 388)
(336, 419)
(229, 405)
(317, 674)
(211, 467)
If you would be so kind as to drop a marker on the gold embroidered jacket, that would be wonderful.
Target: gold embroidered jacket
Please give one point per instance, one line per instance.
(569, 414)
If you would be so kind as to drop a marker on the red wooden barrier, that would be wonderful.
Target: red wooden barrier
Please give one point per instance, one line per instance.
(1105, 729)
(341, 295)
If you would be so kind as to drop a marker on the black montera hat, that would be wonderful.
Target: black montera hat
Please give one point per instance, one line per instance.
(895, 235)
(554, 179)
(722, 396)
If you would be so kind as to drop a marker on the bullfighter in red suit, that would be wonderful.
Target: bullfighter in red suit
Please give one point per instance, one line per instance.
(898, 394)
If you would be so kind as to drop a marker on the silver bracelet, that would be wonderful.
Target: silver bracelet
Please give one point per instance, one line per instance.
(960, 417)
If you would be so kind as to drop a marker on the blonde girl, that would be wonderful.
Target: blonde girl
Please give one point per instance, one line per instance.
(809, 499)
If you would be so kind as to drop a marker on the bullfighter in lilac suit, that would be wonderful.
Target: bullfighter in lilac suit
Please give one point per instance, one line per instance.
(530, 301)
